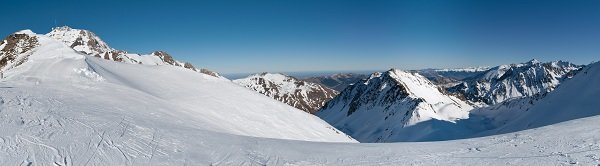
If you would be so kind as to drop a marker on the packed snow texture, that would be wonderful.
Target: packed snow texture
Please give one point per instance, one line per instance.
(105, 90)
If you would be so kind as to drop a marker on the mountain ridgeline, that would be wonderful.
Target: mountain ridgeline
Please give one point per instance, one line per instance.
(504, 82)
(89, 43)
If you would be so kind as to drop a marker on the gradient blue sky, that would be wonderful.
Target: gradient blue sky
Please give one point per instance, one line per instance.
(310, 35)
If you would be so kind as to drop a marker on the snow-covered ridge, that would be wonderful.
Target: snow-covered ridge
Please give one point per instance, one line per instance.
(515, 80)
(89, 43)
(377, 109)
(303, 95)
(81, 40)
(467, 69)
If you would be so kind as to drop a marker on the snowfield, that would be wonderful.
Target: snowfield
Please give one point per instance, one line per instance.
(61, 107)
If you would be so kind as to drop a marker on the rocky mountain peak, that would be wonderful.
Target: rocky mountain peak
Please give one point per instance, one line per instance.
(15, 47)
(81, 40)
(533, 61)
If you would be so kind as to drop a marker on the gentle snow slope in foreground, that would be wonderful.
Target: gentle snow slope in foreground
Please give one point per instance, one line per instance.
(61, 88)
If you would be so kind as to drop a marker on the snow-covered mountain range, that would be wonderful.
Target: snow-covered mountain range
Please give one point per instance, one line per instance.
(303, 95)
(338, 81)
(60, 105)
(515, 80)
(89, 43)
(377, 109)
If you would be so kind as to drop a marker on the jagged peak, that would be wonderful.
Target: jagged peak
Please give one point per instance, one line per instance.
(533, 61)
(66, 29)
(81, 40)
(62, 28)
(160, 52)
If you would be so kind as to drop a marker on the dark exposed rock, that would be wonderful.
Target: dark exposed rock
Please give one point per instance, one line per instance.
(165, 57)
(14, 45)
(212, 73)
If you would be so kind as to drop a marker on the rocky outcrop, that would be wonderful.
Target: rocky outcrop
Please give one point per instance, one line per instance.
(14, 49)
(89, 43)
(303, 95)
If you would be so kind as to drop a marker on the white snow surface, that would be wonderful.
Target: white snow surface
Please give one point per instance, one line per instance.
(57, 77)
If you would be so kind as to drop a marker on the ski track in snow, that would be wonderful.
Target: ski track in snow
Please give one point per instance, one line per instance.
(45, 132)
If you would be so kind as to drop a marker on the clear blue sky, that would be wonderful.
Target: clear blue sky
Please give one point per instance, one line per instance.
(306, 35)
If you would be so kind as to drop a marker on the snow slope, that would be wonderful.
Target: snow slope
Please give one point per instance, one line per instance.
(381, 108)
(93, 89)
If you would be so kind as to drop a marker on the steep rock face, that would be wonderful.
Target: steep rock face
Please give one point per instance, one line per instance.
(165, 57)
(89, 43)
(303, 95)
(516, 80)
(15, 48)
(337, 81)
(378, 109)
